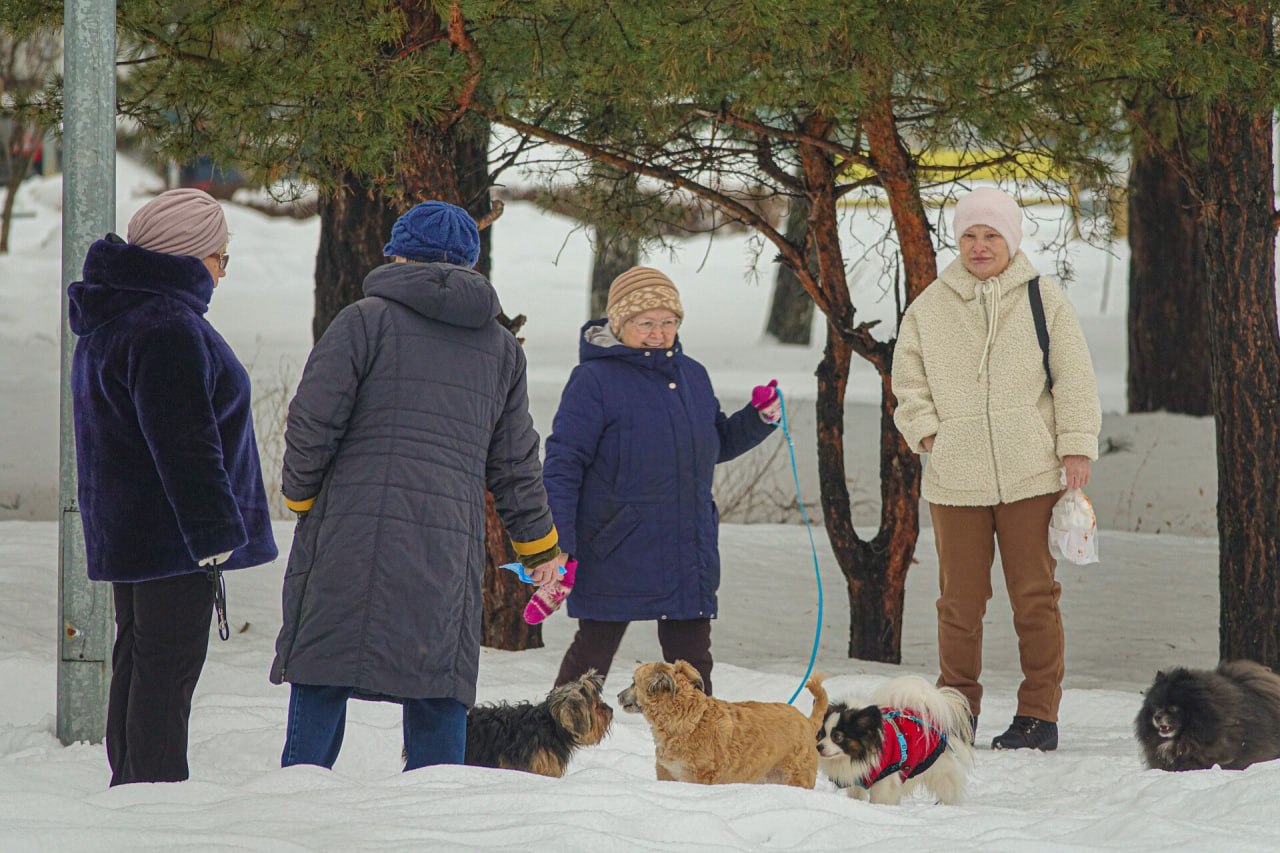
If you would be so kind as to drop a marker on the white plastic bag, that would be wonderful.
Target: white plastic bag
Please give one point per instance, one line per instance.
(1073, 529)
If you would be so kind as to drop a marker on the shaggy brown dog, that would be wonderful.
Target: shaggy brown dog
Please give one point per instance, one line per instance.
(698, 738)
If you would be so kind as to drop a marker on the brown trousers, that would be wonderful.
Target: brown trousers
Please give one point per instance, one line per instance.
(964, 538)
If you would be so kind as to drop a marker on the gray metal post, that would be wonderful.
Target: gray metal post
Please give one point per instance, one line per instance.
(88, 212)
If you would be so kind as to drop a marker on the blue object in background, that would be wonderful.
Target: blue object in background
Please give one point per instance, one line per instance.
(519, 571)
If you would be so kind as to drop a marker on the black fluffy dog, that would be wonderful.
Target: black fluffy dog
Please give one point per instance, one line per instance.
(1194, 719)
(539, 737)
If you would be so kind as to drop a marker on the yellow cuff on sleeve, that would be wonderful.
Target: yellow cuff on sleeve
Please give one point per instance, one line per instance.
(300, 506)
(537, 546)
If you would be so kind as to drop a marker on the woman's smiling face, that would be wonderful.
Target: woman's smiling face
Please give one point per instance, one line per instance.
(983, 251)
(653, 329)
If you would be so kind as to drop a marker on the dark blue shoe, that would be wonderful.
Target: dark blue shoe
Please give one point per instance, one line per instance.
(1028, 733)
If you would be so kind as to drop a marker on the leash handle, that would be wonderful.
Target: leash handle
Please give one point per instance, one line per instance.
(220, 601)
(813, 549)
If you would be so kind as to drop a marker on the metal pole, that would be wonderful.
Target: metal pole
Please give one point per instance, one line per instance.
(88, 212)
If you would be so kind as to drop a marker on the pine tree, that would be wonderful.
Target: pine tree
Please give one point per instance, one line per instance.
(366, 101)
(740, 102)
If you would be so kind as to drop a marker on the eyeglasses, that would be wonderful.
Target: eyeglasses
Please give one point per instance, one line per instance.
(223, 260)
(648, 327)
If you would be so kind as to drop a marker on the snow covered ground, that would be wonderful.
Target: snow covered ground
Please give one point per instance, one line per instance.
(1152, 602)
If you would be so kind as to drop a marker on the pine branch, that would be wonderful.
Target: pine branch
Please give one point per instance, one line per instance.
(466, 45)
(726, 116)
(731, 206)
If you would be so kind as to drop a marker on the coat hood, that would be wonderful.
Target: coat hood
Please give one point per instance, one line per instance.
(451, 294)
(118, 277)
(597, 340)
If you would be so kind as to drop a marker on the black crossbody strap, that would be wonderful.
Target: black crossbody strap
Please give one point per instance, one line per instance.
(1042, 328)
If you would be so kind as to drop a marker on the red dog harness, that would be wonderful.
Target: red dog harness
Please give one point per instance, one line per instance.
(910, 747)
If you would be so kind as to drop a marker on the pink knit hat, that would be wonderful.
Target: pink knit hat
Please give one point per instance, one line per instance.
(989, 206)
(184, 221)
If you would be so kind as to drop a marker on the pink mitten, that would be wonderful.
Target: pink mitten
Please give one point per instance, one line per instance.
(766, 401)
(548, 597)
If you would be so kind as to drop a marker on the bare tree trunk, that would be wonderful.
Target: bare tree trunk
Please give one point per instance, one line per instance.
(615, 253)
(19, 164)
(452, 165)
(355, 222)
(1168, 289)
(1245, 347)
(791, 309)
(876, 570)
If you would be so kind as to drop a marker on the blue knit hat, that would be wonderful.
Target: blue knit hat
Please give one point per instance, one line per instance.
(435, 231)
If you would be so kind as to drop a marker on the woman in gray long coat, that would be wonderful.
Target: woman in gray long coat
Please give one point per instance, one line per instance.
(411, 404)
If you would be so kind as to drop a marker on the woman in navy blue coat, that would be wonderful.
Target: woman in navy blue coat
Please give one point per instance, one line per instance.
(170, 487)
(628, 473)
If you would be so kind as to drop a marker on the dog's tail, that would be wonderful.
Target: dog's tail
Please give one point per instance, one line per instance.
(945, 708)
(1262, 683)
(819, 712)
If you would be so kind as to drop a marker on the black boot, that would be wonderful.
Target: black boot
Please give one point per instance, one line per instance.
(1028, 733)
(973, 728)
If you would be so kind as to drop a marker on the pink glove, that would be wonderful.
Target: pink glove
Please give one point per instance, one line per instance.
(548, 597)
(766, 401)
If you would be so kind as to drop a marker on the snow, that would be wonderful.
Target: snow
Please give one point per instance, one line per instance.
(1151, 602)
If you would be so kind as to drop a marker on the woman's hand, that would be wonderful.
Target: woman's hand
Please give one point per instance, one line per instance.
(1077, 471)
(548, 571)
(766, 401)
(927, 443)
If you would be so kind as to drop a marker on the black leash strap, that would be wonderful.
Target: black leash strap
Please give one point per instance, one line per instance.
(220, 601)
(1042, 328)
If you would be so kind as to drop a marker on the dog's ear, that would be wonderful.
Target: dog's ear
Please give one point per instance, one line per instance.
(661, 681)
(570, 708)
(866, 719)
(683, 667)
(595, 679)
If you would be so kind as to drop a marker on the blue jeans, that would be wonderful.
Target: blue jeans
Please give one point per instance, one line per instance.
(435, 730)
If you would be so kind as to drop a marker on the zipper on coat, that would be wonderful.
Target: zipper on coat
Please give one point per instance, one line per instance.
(991, 432)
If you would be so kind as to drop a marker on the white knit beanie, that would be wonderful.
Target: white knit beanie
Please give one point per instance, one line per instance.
(993, 208)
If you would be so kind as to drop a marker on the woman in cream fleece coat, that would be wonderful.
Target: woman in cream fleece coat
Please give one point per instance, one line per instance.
(974, 397)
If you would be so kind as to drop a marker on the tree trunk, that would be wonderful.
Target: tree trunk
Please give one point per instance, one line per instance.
(615, 253)
(1245, 347)
(791, 310)
(504, 595)
(876, 570)
(451, 164)
(1168, 290)
(355, 222)
(19, 159)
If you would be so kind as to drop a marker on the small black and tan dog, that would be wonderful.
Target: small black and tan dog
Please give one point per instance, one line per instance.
(539, 737)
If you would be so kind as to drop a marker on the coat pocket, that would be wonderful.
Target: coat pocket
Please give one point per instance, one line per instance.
(615, 531)
(961, 457)
(1024, 447)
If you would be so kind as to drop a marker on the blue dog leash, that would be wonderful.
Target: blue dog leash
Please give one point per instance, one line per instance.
(813, 549)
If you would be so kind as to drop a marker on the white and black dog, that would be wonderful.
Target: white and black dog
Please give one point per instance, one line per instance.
(909, 735)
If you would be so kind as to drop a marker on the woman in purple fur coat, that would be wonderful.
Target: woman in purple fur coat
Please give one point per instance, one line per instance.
(170, 487)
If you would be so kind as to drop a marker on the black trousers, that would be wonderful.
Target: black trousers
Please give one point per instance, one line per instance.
(595, 644)
(162, 637)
